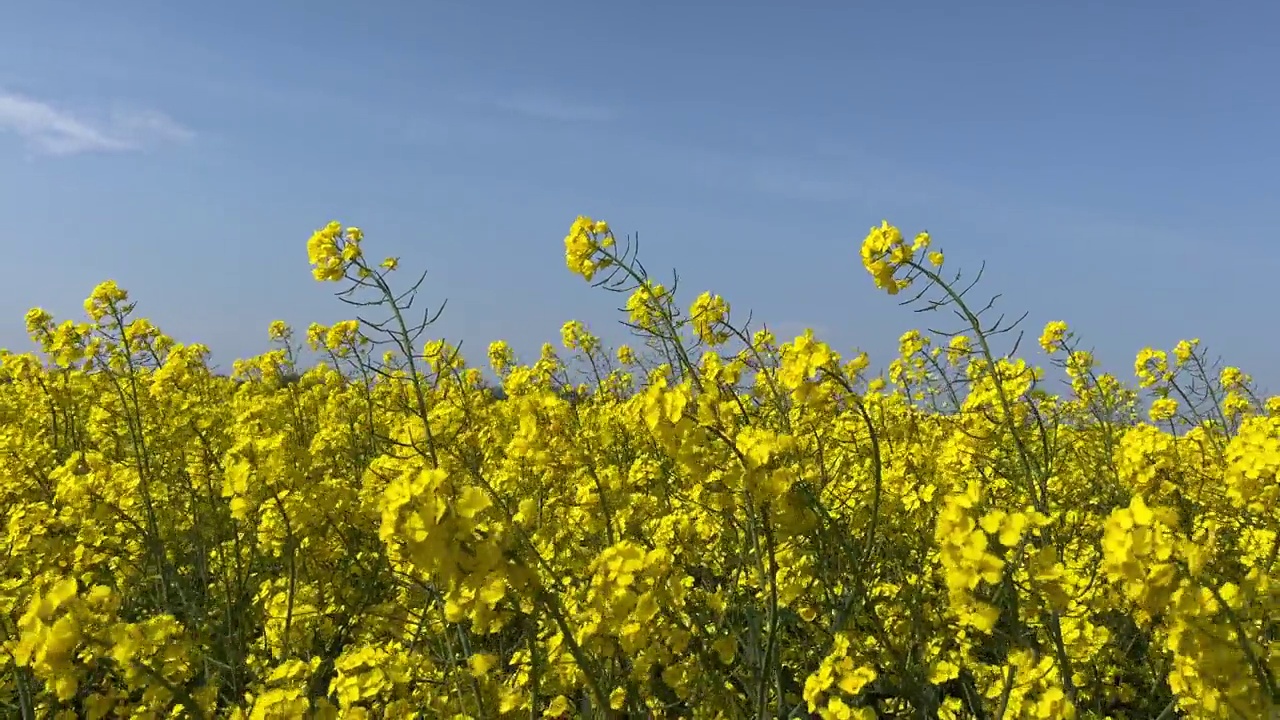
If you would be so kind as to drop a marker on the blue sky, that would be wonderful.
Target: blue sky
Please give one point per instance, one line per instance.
(1112, 162)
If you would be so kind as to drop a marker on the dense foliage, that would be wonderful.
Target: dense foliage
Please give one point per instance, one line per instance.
(710, 524)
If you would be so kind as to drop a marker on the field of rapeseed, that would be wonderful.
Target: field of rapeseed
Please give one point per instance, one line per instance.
(716, 523)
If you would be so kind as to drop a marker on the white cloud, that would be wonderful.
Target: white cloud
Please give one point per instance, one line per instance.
(548, 107)
(56, 131)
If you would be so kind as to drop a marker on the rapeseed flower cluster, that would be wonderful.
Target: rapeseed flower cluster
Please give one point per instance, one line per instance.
(708, 523)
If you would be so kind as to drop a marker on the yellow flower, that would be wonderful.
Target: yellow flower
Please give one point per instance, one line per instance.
(327, 251)
(585, 244)
(559, 707)
(1163, 409)
(501, 356)
(1054, 333)
(574, 336)
(343, 336)
(105, 298)
(1184, 350)
(883, 253)
(618, 698)
(709, 314)
(279, 330)
(1231, 378)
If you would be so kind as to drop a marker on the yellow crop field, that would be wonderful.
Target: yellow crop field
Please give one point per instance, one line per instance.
(712, 523)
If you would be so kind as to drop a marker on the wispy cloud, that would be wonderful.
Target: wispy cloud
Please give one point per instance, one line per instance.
(56, 131)
(798, 186)
(830, 172)
(543, 106)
